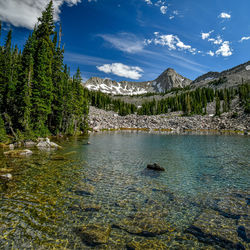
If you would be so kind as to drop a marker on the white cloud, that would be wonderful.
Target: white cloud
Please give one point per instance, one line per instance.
(206, 35)
(217, 41)
(148, 2)
(244, 38)
(211, 53)
(225, 15)
(224, 49)
(171, 17)
(24, 13)
(122, 70)
(163, 9)
(171, 41)
(125, 42)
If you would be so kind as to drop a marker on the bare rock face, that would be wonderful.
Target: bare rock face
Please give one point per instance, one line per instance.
(231, 77)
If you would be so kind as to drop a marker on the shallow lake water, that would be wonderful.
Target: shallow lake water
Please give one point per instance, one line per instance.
(54, 194)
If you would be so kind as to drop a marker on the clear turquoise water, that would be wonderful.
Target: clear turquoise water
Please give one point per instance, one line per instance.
(40, 207)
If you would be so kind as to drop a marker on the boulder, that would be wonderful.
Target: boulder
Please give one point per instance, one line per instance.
(94, 234)
(18, 153)
(6, 176)
(96, 129)
(155, 167)
(29, 144)
(46, 143)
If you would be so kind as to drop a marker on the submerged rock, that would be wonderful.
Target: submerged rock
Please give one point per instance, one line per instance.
(18, 153)
(144, 224)
(94, 234)
(90, 207)
(155, 167)
(84, 189)
(215, 229)
(146, 244)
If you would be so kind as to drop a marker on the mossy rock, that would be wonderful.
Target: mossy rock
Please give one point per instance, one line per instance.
(18, 153)
(3, 145)
(6, 170)
(94, 234)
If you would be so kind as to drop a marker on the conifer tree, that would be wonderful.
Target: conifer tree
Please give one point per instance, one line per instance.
(217, 105)
(42, 90)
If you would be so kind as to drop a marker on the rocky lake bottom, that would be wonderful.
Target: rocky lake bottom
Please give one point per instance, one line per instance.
(99, 195)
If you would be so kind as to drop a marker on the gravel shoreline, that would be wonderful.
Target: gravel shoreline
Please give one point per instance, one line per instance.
(108, 120)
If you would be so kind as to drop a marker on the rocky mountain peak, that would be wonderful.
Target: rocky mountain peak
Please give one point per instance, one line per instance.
(171, 79)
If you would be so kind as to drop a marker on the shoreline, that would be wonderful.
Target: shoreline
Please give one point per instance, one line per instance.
(175, 132)
(101, 120)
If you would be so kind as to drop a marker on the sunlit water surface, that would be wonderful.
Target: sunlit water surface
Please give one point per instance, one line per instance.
(42, 206)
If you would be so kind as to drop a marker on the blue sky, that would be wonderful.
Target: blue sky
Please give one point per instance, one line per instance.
(139, 39)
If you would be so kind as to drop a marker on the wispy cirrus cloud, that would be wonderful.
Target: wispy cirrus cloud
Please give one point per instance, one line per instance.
(120, 69)
(126, 42)
(82, 59)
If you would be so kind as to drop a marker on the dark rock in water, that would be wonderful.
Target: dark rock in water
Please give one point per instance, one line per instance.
(155, 167)
(215, 229)
(94, 234)
(242, 234)
(244, 229)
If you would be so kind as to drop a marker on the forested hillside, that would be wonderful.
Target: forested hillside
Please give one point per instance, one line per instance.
(37, 95)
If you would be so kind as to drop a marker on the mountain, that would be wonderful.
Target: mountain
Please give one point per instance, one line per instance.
(227, 78)
(170, 79)
(167, 80)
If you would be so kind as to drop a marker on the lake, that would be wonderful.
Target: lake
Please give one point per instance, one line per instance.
(101, 196)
